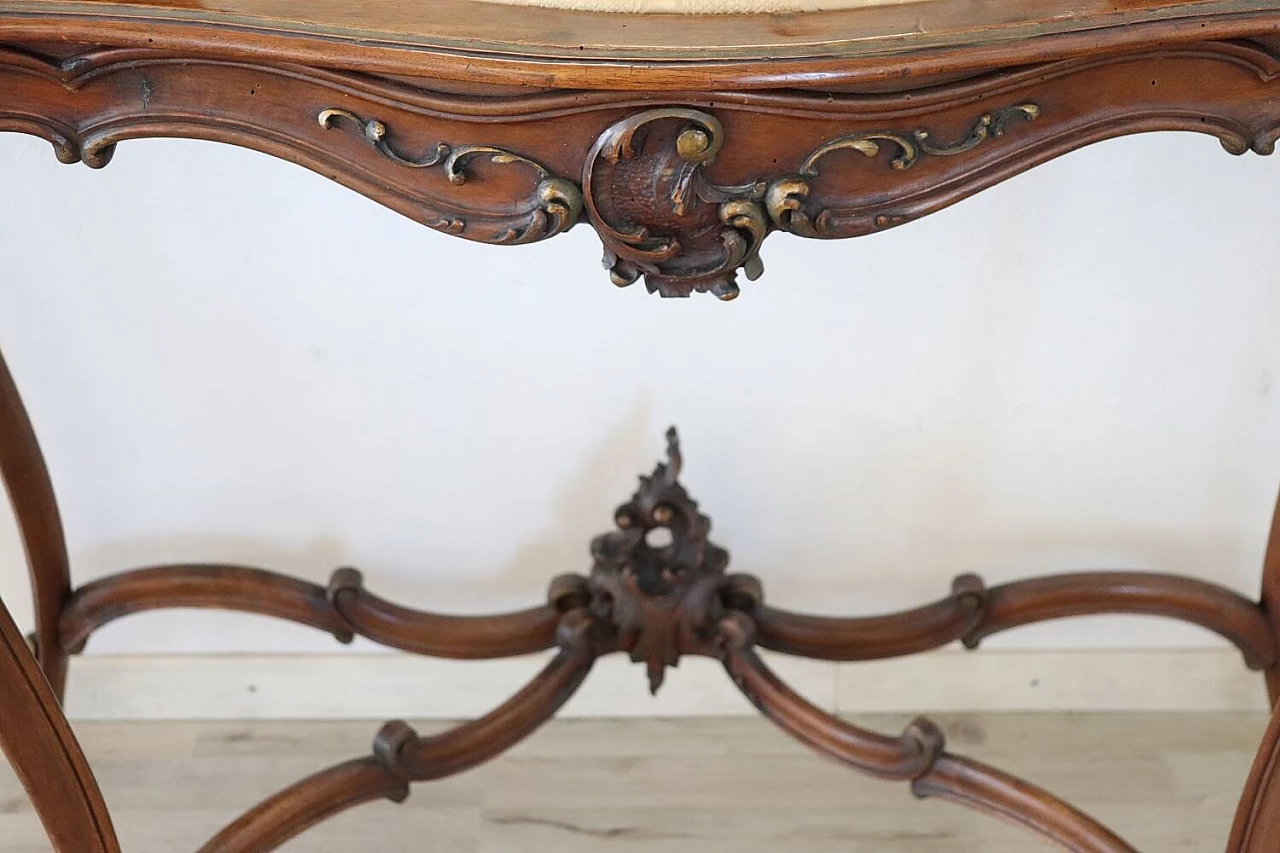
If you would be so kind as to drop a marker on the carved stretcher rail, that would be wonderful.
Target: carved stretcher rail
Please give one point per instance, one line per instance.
(918, 756)
(973, 612)
(659, 603)
(402, 756)
(344, 610)
(196, 586)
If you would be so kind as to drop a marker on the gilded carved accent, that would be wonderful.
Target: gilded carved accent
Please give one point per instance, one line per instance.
(553, 207)
(658, 214)
(911, 146)
(661, 217)
(787, 199)
(376, 132)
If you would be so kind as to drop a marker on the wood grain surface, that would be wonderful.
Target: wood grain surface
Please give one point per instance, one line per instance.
(1167, 781)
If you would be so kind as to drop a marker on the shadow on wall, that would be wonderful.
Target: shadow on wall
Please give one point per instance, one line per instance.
(582, 510)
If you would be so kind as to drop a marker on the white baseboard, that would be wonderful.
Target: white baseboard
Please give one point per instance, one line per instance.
(384, 686)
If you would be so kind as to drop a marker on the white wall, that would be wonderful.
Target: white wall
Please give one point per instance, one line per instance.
(229, 358)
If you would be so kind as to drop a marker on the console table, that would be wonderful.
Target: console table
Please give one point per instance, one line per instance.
(684, 132)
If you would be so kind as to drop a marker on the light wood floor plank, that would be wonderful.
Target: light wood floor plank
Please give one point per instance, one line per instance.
(1167, 782)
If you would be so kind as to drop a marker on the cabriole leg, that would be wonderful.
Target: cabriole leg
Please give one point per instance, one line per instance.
(35, 737)
(1271, 599)
(26, 479)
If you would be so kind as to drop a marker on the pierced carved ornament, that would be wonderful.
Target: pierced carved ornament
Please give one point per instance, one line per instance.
(661, 598)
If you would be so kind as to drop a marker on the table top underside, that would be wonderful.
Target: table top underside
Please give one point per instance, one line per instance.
(495, 29)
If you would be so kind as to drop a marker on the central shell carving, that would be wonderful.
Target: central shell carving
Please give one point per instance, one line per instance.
(661, 217)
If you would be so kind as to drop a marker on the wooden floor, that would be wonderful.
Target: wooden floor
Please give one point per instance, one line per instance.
(1167, 782)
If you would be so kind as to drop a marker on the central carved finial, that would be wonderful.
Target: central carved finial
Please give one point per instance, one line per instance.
(657, 583)
(661, 537)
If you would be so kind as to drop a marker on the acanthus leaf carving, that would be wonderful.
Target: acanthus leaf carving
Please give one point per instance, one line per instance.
(660, 600)
(789, 199)
(661, 218)
(553, 207)
(658, 214)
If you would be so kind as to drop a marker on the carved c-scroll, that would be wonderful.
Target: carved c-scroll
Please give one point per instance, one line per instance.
(788, 199)
(658, 214)
(552, 207)
(659, 601)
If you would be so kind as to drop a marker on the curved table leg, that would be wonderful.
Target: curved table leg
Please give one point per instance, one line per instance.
(655, 604)
(401, 756)
(26, 479)
(45, 754)
(917, 756)
(1271, 599)
(1257, 824)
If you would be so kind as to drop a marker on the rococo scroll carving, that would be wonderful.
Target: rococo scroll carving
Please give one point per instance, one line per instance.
(552, 207)
(788, 199)
(658, 587)
(658, 214)
(662, 218)
(652, 186)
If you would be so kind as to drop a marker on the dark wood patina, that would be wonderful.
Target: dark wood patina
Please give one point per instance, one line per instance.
(683, 142)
